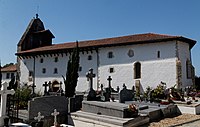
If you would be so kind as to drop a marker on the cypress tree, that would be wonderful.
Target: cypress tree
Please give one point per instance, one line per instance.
(71, 78)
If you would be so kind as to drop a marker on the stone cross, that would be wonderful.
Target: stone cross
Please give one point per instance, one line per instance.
(90, 75)
(45, 88)
(55, 113)
(109, 82)
(39, 117)
(4, 92)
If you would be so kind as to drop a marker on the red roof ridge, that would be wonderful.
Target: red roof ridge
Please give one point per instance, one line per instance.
(120, 40)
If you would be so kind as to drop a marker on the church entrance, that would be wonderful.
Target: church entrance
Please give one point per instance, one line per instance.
(55, 86)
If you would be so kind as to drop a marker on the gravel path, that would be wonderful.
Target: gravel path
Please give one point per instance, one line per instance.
(184, 120)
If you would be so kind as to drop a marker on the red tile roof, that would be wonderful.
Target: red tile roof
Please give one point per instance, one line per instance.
(10, 68)
(123, 40)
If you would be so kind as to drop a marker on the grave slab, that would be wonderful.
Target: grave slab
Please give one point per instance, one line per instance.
(166, 110)
(86, 119)
(193, 108)
(106, 108)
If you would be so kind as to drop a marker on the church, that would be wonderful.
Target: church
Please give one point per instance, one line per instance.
(138, 60)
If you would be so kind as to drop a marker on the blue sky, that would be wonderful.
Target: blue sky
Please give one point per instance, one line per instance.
(71, 20)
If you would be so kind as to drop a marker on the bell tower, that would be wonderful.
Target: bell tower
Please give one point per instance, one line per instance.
(35, 36)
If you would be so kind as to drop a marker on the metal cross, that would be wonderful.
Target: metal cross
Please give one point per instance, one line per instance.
(45, 88)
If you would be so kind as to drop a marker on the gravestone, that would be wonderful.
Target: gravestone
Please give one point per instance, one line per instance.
(39, 123)
(125, 95)
(46, 105)
(55, 113)
(4, 92)
(91, 95)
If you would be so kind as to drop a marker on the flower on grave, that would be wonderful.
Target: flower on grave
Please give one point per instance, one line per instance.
(132, 108)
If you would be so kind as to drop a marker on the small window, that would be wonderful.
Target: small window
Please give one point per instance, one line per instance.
(43, 70)
(56, 59)
(158, 54)
(110, 55)
(111, 70)
(30, 73)
(41, 60)
(130, 53)
(12, 75)
(89, 57)
(80, 68)
(7, 75)
(55, 71)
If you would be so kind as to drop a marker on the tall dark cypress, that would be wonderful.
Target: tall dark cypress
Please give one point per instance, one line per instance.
(71, 78)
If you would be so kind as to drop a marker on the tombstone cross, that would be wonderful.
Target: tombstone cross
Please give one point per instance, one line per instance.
(33, 88)
(4, 92)
(109, 82)
(39, 117)
(90, 75)
(55, 113)
(45, 88)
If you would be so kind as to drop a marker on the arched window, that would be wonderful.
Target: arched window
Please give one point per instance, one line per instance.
(55, 71)
(137, 70)
(158, 54)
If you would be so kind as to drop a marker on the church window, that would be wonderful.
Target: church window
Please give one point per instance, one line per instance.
(110, 55)
(189, 69)
(111, 70)
(80, 68)
(7, 75)
(130, 53)
(43, 70)
(89, 57)
(56, 59)
(158, 54)
(12, 75)
(41, 60)
(55, 71)
(137, 70)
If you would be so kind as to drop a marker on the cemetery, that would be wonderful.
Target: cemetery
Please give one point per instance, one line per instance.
(106, 107)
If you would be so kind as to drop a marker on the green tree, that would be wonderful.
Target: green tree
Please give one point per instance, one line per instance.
(71, 78)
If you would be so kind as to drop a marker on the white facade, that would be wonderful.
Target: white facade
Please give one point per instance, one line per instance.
(158, 63)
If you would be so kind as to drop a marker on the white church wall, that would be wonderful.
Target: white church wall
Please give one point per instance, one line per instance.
(49, 65)
(85, 65)
(184, 55)
(153, 72)
(146, 54)
(26, 65)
